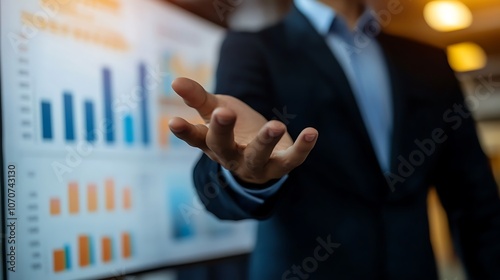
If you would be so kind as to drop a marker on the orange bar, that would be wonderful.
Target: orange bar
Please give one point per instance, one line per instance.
(110, 194)
(73, 198)
(127, 198)
(106, 249)
(55, 206)
(126, 246)
(59, 260)
(163, 131)
(84, 250)
(92, 198)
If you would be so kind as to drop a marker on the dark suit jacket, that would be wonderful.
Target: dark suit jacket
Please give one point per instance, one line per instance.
(376, 225)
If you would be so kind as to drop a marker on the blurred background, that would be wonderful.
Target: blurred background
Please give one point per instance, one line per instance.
(116, 200)
(467, 29)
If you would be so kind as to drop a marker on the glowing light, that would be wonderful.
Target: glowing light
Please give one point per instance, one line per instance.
(447, 15)
(466, 56)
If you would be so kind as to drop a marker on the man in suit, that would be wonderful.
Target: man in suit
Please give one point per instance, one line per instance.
(392, 122)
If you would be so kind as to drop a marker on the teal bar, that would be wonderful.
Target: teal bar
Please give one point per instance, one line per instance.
(128, 123)
(91, 251)
(67, 256)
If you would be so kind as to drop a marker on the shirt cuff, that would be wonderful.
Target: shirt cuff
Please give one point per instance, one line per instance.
(255, 196)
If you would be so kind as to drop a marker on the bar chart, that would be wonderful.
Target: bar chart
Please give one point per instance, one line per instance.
(106, 186)
(92, 194)
(105, 128)
(89, 252)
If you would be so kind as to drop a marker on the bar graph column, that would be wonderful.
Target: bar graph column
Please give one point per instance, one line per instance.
(144, 104)
(108, 106)
(107, 249)
(46, 111)
(92, 198)
(55, 206)
(110, 194)
(89, 121)
(85, 255)
(73, 198)
(59, 260)
(128, 125)
(69, 118)
(178, 196)
(67, 254)
(126, 245)
(163, 131)
(127, 198)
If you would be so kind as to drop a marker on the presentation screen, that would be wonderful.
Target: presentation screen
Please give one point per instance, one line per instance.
(94, 184)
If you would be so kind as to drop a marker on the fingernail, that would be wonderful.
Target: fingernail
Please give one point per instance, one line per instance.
(310, 137)
(177, 130)
(223, 121)
(273, 133)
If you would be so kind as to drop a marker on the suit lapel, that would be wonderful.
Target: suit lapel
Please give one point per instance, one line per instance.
(303, 38)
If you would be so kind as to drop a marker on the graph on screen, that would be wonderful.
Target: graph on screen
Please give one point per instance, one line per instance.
(104, 188)
(128, 122)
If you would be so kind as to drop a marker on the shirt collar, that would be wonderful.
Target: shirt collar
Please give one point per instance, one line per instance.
(319, 15)
(322, 16)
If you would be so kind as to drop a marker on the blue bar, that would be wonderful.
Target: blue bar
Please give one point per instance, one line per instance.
(178, 196)
(108, 106)
(69, 118)
(67, 255)
(46, 120)
(91, 250)
(128, 124)
(89, 121)
(144, 104)
(168, 79)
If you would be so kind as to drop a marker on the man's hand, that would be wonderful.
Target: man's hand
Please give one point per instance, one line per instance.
(238, 137)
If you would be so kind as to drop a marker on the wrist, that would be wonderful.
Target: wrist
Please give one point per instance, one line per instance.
(252, 185)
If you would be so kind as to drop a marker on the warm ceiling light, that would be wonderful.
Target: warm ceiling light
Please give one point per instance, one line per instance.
(447, 15)
(466, 57)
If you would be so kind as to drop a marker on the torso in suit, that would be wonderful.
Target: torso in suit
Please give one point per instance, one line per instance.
(338, 216)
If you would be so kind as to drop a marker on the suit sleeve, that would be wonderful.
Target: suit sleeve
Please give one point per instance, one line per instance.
(468, 190)
(242, 72)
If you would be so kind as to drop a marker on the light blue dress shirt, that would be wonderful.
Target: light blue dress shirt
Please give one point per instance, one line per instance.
(364, 64)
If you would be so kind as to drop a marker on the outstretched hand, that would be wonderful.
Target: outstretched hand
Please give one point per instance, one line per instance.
(238, 137)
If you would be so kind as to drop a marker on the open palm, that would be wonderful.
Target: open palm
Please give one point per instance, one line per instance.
(238, 137)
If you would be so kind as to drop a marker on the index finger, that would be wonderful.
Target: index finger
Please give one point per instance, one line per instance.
(195, 96)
